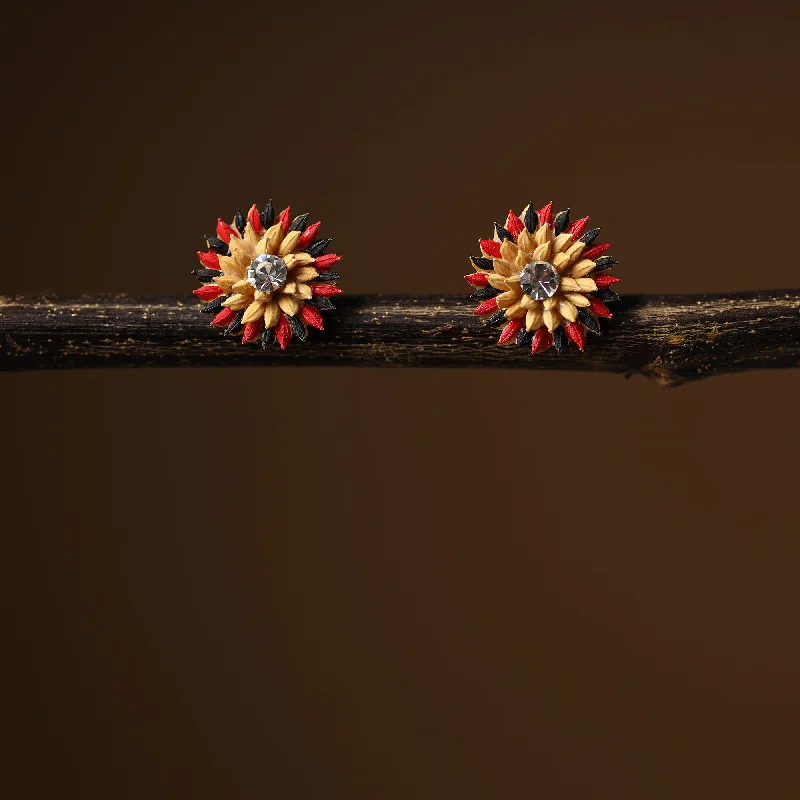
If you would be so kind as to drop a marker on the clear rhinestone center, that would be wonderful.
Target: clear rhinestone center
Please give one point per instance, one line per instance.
(267, 273)
(539, 280)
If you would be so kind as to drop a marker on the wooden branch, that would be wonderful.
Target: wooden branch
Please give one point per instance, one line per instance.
(671, 338)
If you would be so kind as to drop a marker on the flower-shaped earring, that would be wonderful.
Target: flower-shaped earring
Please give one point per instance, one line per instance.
(269, 277)
(543, 279)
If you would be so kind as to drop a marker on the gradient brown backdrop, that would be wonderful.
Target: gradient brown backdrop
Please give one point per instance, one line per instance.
(379, 592)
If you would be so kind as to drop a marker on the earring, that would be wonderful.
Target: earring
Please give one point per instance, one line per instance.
(267, 278)
(543, 279)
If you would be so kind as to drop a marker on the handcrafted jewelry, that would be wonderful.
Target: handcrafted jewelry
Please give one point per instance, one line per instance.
(543, 279)
(267, 278)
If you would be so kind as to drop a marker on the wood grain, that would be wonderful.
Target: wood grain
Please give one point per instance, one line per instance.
(672, 339)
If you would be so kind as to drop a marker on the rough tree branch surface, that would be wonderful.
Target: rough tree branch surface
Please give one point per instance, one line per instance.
(673, 339)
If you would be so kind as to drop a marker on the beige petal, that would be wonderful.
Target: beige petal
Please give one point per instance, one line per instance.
(516, 310)
(289, 288)
(305, 274)
(580, 300)
(551, 303)
(503, 267)
(251, 235)
(225, 282)
(274, 237)
(529, 302)
(561, 241)
(304, 291)
(271, 314)
(574, 252)
(236, 302)
(289, 304)
(242, 287)
(523, 259)
(497, 281)
(581, 268)
(263, 297)
(289, 243)
(568, 311)
(587, 285)
(525, 242)
(569, 285)
(533, 319)
(542, 252)
(552, 319)
(542, 235)
(261, 248)
(254, 311)
(242, 252)
(512, 281)
(505, 299)
(560, 262)
(298, 260)
(508, 250)
(230, 267)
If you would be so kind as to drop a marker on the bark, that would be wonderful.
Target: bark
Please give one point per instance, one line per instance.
(673, 339)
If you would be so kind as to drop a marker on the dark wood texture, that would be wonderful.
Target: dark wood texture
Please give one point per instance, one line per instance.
(670, 338)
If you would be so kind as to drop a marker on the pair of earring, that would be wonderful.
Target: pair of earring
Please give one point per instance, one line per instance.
(541, 277)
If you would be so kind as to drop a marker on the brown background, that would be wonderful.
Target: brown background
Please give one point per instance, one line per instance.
(368, 584)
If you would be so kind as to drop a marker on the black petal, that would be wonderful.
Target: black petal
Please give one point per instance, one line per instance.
(531, 219)
(239, 221)
(268, 215)
(215, 305)
(502, 233)
(318, 247)
(485, 293)
(589, 320)
(559, 339)
(217, 245)
(236, 324)
(524, 338)
(300, 223)
(298, 329)
(590, 236)
(606, 295)
(561, 221)
(497, 318)
(267, 337)
(322, 303)
(206, 275)
(480, 262)
(327, 277)
(605, 262)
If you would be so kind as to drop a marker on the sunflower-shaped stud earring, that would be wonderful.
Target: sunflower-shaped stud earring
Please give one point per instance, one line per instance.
(267, 278)
(543, 279)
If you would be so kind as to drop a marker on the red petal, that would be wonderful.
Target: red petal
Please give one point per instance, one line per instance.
(311, 317)
(593, 252)
(546, 213)
(511, 330)
(477, 279)
(326, 262)
(325, 290)
(541, 340)
(283, 218)
(490, 247)
(254, 218)
(578, 227)
(209, 260)
(223, 319)
(224, 231)
(486, 307)
(601, 309)
(252, 330)
(514, 225)
(577, 333)
(604, 281)
(308, 235)
(208, 292)
(283, 333)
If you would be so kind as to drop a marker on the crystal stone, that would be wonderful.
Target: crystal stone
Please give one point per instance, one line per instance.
(267, 273)
(539, 280)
